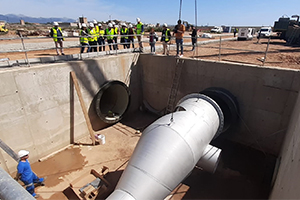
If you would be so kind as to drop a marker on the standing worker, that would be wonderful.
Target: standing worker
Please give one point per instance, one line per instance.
(116, 32)
(179, 31)
(84, 38)
(101, 40)
(165, 38)
(93, 37)
(131, 36)
(96, 27)
(124, 36)
(57, 36)
(234, 32)
(152, 40)
(194, 37)
(109, 35)
(140, 33)
(26, 175)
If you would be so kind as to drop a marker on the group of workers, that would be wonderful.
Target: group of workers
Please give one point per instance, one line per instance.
(93, 36)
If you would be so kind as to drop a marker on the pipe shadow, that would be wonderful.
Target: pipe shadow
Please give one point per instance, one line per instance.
(243, 173)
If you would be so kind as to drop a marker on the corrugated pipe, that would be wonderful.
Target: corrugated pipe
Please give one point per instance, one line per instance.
(11, 189)
(112, 101)
(171, 147)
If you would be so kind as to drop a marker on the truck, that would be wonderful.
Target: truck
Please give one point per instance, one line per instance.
(245, 34)
(288, 29)
(217, 29)
(265, 32)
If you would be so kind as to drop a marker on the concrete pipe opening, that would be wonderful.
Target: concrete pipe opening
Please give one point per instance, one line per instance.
(227, 103)
(112, 101)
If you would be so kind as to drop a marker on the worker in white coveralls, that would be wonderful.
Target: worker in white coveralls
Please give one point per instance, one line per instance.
(26, 175)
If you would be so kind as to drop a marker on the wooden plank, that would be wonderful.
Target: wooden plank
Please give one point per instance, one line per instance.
(83, 107)
(9, 151)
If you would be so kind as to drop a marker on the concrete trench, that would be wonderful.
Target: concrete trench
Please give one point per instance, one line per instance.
(39, 104)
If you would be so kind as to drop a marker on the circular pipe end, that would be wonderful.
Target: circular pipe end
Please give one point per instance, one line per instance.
(112, 101)
(227, 103)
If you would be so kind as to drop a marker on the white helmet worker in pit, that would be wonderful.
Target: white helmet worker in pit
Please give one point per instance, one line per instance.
(26, 175)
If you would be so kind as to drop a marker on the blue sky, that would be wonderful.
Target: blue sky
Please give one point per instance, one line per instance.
(210, 12)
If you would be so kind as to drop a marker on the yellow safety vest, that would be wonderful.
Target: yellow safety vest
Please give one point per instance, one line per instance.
(93, 35)
(101, 32)
(55, 34)
(167, 36)
(124, 32)
(116, 31)
(139, 28)
(83, 39)
(97, 30)
(110, 33)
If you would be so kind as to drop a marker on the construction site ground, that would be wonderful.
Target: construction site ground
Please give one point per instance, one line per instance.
(243, 173)
(250, 52)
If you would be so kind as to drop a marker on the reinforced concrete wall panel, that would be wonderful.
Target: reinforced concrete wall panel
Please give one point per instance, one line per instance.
(266, 95)
(37, 106)
(286, 185)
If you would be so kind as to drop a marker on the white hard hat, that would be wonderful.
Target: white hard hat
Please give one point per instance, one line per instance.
(113, 23)
(124, 24)
(99, 24)
(95, 21)
(116, 26)
(83, 25)
(91, 24)
(109, 25)
(23, 153)
(138, 19)
(55, 23)
(130, 25)
(165, 25)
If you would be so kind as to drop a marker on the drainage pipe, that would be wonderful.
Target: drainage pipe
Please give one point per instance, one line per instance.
(11, 189)
(170, 148)
(112, 101)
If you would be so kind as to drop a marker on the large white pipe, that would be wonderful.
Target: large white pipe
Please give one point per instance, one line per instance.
(169, 149)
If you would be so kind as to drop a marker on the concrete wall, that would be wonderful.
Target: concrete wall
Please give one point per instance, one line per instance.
(266, 95)
(38, 110)
(287, 181)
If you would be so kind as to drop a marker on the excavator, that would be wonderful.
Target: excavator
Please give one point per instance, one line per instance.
(3, 30)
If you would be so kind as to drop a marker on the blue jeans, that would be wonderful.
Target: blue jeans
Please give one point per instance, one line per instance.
(179, 42)
(83, 45)
(101, 42)
(152, 44)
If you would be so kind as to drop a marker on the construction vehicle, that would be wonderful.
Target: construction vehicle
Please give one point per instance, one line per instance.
(3, 30)
(245, 34)
(288, 29)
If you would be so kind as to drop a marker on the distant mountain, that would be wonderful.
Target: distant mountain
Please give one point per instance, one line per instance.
(11, 18)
